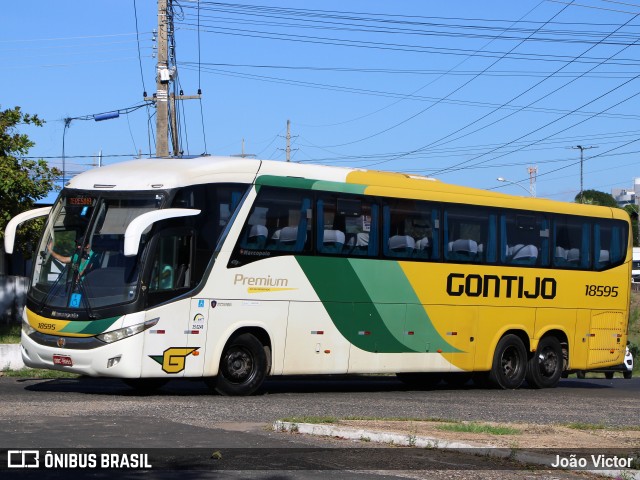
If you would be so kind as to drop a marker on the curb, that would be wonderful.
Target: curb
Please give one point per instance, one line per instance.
(408, 440)
(11, 357)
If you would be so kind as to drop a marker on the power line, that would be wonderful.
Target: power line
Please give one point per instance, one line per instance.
(144, 88)
(518, 96)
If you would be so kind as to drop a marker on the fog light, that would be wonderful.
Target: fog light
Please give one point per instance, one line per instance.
(112, 362)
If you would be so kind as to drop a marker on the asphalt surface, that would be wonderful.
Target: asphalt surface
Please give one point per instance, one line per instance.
(103, 414)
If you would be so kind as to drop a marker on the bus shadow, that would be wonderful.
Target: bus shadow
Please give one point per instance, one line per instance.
(274, 385)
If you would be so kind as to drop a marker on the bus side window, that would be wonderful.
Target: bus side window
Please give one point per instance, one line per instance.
(409, 229)
(172, 263)
(609, 243)
(470, 235)
(524, 239)
(280, 221)
(346, 225)
(571, 239)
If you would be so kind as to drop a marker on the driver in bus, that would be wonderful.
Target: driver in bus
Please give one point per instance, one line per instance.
(86, 261)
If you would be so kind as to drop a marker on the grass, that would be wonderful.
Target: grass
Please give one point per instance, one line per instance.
(599, 426)
(472, 427)
(585, 426)
(328, 419)
(634, 331)
(37, 373)
(310, 419)
(9, 333)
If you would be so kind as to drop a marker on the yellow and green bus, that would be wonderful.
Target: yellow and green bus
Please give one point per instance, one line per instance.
(233, 270)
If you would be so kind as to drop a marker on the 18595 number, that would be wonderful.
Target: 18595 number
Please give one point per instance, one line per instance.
(601, 291)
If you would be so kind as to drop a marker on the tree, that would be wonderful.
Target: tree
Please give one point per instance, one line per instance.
(594, 197)
(23, 181)
(632, 210)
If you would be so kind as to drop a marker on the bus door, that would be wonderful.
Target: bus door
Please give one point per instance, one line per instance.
(196, 337)
(170, 347)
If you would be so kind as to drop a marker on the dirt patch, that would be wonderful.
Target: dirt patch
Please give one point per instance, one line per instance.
(529, 436)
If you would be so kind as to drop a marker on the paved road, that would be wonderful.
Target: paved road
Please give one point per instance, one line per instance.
(100, 413)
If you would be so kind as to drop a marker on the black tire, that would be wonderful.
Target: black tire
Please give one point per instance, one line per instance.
(580, 374)
(420, 380)
(509, 363)
(627, 375)
(608, 375)
(243, 366)
(457, 379)
(545, 365)
(145, 384)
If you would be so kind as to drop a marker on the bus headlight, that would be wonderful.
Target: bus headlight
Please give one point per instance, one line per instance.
(115, 335)
(27, 329)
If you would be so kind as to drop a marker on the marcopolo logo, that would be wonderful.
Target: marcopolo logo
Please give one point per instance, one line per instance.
(494, 286)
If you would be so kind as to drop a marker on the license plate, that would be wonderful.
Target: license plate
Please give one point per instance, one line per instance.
(62, 360)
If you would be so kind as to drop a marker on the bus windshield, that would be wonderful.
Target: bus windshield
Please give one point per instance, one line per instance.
(81, 264)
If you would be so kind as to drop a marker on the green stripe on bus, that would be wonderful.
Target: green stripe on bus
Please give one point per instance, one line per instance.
(395, 298)
(285, 182)
(309, 184)
(326, 186)
(93, 327)
(395, 323)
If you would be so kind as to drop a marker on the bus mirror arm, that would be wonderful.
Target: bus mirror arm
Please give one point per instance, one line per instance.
(138, 225)
(14, 223)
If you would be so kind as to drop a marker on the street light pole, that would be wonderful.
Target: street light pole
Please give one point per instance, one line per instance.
(502, 179)
(582, 149)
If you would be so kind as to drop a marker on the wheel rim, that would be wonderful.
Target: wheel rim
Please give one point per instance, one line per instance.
(548, 362)
(239, 365)
(511, 363)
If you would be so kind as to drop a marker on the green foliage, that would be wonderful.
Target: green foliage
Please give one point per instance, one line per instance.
(10, 333)
(632, 210)
(37, 373)
(23, 181)
(595, 197)
(472, 427)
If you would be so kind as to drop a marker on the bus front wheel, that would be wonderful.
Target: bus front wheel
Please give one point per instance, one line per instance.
(243, 366)
(545, 366)
(509, 363)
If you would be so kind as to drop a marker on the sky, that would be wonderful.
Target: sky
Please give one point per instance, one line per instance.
(465, 91)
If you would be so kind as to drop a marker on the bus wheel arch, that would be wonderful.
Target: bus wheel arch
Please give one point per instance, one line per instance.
(244, 363)
(509, 365)
(546, 364)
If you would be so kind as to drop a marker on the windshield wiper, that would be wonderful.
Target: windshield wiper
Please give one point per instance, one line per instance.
(54, 287)
(85, 297)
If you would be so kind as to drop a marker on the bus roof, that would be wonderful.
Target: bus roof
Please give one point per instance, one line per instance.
(168, 173)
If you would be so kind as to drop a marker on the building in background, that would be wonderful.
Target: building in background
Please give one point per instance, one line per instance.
(627, 196)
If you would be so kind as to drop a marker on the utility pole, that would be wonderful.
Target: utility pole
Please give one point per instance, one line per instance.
(288, 151)
(163, 77)
(288, 145)
(533, 175)
(244, 155)
(165, 71)
(582, 149)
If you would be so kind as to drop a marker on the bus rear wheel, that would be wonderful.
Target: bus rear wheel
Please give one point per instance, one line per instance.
(509, 363)
(243, 366)
(545, 366)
